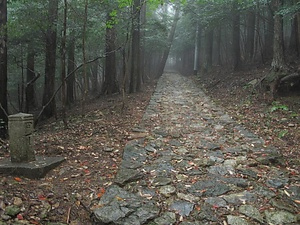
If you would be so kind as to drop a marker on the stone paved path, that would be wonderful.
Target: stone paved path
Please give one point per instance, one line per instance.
(194, 165)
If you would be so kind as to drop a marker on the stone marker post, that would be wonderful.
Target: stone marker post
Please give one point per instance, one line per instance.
(20, 129)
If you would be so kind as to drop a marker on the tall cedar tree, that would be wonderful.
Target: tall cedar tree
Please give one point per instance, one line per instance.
(278, 62)
(135, 79)
(71, 74)
(30, 76)
(3, 60)
(236, 50)
(169, 43)
(50, 61)
(110, 85)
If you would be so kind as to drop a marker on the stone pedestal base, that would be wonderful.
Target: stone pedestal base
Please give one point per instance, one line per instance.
(33, 170)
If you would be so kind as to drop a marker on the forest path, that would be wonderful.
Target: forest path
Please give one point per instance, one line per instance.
(192, 164)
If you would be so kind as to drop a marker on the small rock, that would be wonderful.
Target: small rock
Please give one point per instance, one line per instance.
(230, 162)
(167, 191)
(17, 201)
(5, 217)
(277, 183)
(221, 170)
(182, 151)
(183, 208)
(12, 210)
(161, 181)
(280, 217)
(166, 218)
(188, 197)
(216, 202)
(108, 149)
(235, 220)
(250, 211)
(240, 198)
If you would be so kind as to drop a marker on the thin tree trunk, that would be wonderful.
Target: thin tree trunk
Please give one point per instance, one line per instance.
(169, 44)
(63, 64)
(30, 87)
(218, 46)
(71, 67)
(50, 61)
(143, 41)
(298, 30)
(85, 79)
(236, 50)
(196, 52)
(135, 80)
(250, 34)
(209, 35)
(269, 35)
(110, 83)
(3, 60)
(278, 62)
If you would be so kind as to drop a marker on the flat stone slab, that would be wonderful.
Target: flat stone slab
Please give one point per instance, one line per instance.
(33, 170)
(120, 207)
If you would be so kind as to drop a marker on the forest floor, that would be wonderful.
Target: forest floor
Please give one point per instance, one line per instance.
(92, 145)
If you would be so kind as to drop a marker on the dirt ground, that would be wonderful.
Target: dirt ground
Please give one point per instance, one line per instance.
(92, 145)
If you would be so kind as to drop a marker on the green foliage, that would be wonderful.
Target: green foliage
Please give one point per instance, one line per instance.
(282, 133)
(277, 106)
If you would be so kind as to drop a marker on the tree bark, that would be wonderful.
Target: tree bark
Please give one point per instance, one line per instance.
(236, 50)
(50, 61)
(269, 35)
(298, 31)
(218, 46)
(169, 44)
(63, 64)
(250, 34)
(84, 57)
(71, 67)
(293, 42)
(3, 61)
(30, 86)
(278, 62)
(110, 83)
(209, 35)
(196, 52)
(135, 79)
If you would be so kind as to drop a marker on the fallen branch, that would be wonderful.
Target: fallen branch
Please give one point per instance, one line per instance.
(291, 76)
(3, 110)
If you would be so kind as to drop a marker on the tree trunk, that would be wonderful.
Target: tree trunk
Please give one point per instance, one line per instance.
(293, 42)
(110, 83)
(196, 53)
(50, 61)
(143, 40)
(30, 86)
(71, 75)
(269, 35)
(218, 46)
(135, 79)
(71, 68)
(236, 50)
(209, 35)
(94, 78)
(84, 57)
(3, 61)
(63, 64)
(169, 44)
(278, 62)
(298, 30)
(250, 34)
